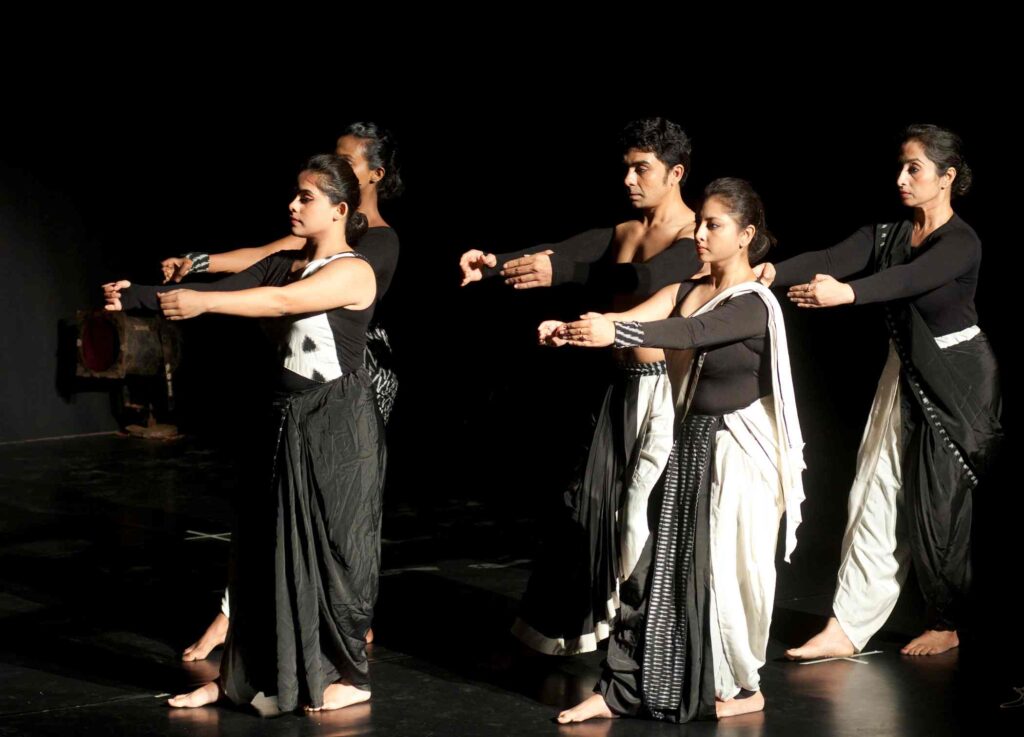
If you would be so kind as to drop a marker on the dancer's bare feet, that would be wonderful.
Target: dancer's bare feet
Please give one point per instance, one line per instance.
(205, 694)
(592, 708)
(339, 695)
(831, 642)
(735, 707)
(932, 642)
(214, 636)
(369, 636)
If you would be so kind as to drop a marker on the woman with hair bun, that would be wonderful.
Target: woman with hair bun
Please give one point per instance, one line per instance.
(692, 630)
(934, 429)
(307, 550)
(372, 152)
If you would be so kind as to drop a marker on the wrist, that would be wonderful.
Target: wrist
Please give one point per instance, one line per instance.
(200, 261)
(628, 334)
(205, 302)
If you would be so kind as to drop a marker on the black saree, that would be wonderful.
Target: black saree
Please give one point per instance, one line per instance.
(306, 577)
(572, 594)
(951, 438)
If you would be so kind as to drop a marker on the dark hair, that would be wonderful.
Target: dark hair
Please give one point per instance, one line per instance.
(944, 147)
(336, 179)
(746, 208)
(666, 139)
(381, 151)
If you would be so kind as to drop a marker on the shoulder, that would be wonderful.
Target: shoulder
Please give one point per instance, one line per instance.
(629, 229)
(354, 265)
(380, 246)
(686, 233)
(955, 236)
(378, 239)
(750, 303)
(958, 229)
(381, 235)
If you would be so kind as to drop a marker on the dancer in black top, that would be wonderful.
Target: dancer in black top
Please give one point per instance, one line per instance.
(573, 593)
(308, 547)
(934, 428)
(693, 627)
(372, 152)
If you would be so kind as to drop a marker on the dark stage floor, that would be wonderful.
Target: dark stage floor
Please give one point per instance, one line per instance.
(113, 556)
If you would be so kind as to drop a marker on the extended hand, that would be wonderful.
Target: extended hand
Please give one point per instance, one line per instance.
(472, 264)
(175, 268)
(546, 333)
(765, 273)
(821, 291)
(527, 272)
(182, 304)
(592, 330)
(112, 294)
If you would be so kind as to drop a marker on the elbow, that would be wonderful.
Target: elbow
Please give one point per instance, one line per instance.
(281, 304)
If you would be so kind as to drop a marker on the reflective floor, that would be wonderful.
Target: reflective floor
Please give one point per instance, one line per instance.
(113, 555)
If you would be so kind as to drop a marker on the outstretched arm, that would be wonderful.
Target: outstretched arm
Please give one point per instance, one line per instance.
(659, 305)
(534, 267)
(676, 263)
(177, 267)
(737, 319)
(844, 259)
(346, 282)
(946, 260)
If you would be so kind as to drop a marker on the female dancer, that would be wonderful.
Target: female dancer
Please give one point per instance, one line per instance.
(934, 425)
(308, 551)
(693, 626)
(372, 152)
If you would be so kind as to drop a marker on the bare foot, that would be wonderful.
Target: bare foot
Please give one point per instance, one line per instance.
(735, 707)
(205, 694)
(214, 636)
(592, 708)
(932, 642)
(369, 636)
(831, 642)
(339, 695)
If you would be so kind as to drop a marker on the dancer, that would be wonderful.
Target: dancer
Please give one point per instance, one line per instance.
(372, 152)
(572, 595)
(693, 627)
(933, 430)
(308, 549)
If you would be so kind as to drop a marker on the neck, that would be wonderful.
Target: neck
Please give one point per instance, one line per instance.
(326, 245)
(671, 209)
(736, 270)
(368, 206)
(932, 215)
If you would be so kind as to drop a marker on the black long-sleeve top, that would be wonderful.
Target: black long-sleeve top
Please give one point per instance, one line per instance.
(379, 245)
(940, 279)
(347, 327)
(737, 364)
(588, 258)
(274, 271)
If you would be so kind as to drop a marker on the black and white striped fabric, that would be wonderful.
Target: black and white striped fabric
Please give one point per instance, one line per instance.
(628, 334)
(630, 368)
(200, 262)
(671, 663)
(379, 361)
